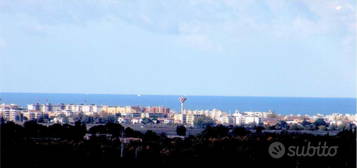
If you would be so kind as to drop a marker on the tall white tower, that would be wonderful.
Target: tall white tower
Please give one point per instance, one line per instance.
(182, 101)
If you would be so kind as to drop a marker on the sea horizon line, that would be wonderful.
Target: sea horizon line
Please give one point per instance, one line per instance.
(178, 95)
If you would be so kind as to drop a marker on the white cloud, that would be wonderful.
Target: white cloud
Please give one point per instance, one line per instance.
(167, 16)
(198, 20)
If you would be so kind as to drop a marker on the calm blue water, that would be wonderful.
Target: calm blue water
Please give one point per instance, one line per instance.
(281, 105)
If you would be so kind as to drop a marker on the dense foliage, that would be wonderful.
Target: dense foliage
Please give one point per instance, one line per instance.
(35, 145)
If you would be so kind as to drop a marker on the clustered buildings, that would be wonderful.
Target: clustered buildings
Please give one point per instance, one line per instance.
(158, 114)
(13, 112)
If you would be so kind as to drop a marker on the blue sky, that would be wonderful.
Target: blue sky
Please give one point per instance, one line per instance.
(297, 48)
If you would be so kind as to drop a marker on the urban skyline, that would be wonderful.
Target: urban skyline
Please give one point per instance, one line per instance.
(166, 117)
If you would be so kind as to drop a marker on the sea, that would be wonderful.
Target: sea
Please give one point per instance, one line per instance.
(229, 104)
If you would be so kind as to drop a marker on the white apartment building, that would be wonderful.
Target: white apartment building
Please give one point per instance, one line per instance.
(248, 118)
(179, 118)
(190, 118)
(11, 114)
(32, 115)
(225, 120)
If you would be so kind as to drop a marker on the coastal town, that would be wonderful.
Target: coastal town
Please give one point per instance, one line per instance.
(161, 118)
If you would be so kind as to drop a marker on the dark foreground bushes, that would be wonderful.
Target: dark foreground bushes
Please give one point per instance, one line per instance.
(34, 145)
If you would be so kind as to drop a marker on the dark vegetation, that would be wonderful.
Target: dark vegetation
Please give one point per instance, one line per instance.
(35, 145)
(181, 130)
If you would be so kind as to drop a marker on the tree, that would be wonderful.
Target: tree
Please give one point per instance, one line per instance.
(98, 129)
(110, 119)
(305, 123)
(79, 129)
(181, 130)
(320, 122)
(259, 129)
(203, 122)
(2, 120)
(296, 127)
(239, 131)
(218, 131)
(146, 121)
(129, 132)
(33, 129)
(114, 129)
(151, 136)
(281, 125)
(10, 130)
(110, 128)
